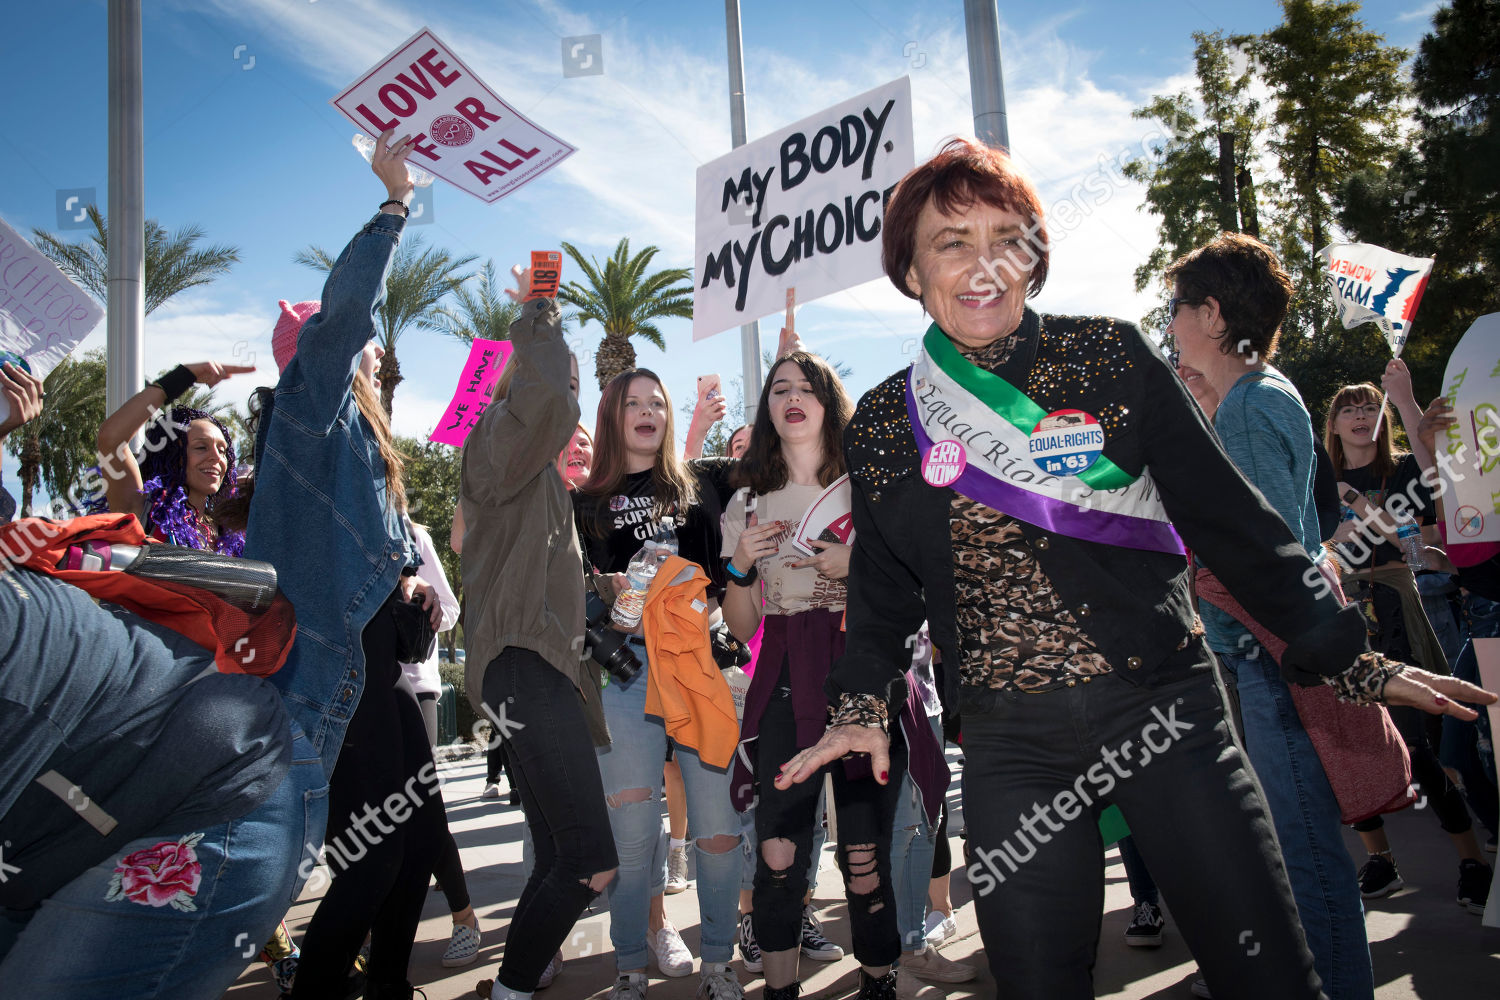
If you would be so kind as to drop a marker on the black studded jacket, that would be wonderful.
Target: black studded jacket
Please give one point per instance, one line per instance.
(1136, 603)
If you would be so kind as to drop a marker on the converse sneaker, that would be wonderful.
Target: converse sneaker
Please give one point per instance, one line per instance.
(672, 956)
(1145, 926)
(718, 982)
(550, 972)
(1379, 877)
(939, 927)
(463, 946)
(814, 945)
(677, 870)
(630, 986)
(1473, 884)
(749, 950)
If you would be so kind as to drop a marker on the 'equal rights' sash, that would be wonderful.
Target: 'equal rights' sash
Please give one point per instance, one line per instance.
(951, 400)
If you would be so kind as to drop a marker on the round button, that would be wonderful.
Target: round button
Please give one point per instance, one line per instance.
(1044, 544)
(395, 555)
(1084, 611)
(1071, 682)
(1134, 663)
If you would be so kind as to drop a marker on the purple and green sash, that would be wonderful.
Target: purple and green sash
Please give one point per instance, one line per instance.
(951, 399)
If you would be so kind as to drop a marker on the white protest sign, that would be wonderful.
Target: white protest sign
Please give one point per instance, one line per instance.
(1468, 453)
(801, 207)
(43, 315)
(1371, 284)
(464, 133)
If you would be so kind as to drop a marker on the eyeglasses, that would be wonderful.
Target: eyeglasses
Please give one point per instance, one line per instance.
(1174, 358)
(1367, 410)
(1176, 301)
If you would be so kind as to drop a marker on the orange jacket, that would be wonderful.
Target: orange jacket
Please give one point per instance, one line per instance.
(684, 687)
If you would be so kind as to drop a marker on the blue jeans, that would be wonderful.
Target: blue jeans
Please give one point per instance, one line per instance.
(1468, 747)
(913, 845)
(250, 871)
(634, 761)
(1306, 816)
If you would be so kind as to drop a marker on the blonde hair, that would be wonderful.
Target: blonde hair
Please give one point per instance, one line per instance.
(395, 463)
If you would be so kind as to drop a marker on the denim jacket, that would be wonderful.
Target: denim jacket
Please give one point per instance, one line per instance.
(320, 513)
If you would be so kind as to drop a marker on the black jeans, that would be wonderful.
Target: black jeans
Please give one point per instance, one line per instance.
(1166, 757)
(866, 815)
(552, 760)
(449, 868)
(381, 856)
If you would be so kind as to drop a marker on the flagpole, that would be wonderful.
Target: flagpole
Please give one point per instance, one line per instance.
(749, 332)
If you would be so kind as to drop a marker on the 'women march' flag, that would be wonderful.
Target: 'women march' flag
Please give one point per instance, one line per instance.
(1373, 284)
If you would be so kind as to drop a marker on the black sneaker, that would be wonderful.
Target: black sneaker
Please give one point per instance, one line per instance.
(814, 945)
(1473, 884)
(1145, 926)
(1379, 877)
(749, 950)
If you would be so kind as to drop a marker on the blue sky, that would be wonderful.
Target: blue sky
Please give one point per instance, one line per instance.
(257, 156)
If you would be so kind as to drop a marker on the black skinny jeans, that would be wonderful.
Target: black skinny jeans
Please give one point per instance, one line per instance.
(553, 763)
(449, 869)
(1040, 767)
(866, 815)
(381, 857)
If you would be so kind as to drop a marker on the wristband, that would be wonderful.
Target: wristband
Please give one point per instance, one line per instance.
(738, 578)
(397, 201)
(175, 382)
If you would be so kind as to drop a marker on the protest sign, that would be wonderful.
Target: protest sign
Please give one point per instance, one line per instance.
(43, 315)
(1468, 453)
(476, 387)
(464, 133)
(1371, 284)
(800, 207)
(827, 519)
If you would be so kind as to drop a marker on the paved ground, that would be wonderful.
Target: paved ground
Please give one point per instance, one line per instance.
(1423, 944)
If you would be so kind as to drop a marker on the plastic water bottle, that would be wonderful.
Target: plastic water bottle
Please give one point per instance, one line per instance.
(631, 603)
(366, 146)
(1409, 535)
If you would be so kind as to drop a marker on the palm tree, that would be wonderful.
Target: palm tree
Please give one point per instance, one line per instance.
(174, 263)
(60, 443)
(625, 300)
(420, 277)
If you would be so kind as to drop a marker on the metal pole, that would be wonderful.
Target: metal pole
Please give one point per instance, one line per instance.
(982, 25)
(126, 303)
(750, 332)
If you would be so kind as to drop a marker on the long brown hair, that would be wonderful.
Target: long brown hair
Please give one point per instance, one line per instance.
(1385, 449)
(395, 462)
(763, 468)
(672, 482)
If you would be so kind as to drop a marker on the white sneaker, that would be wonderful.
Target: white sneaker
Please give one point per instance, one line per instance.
(550, 972)
(930, 964)
(672, 956)
(719, 982)
(491, 791)
(630, 986)
(939, 928)
(677, 870)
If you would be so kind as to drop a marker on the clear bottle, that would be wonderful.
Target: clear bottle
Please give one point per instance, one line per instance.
(1409, 536)
(631, 603)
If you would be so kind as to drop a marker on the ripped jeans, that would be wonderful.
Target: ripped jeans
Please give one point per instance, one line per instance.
(631, 769)
(866, 815)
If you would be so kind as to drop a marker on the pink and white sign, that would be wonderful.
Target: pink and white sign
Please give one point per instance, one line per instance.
(476, 387)
(464, 132)
(944, 463)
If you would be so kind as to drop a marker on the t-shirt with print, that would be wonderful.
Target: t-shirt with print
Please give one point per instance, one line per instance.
(786, 590)
(630, 518)
(1406, 479)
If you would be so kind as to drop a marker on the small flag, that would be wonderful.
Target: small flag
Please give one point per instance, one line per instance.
(1371, 284)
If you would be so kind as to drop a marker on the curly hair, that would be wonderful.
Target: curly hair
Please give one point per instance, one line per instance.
(163, 463)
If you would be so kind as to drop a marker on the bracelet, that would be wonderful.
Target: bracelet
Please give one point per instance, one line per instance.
(175, 382)
(738, 578)
(398, 201)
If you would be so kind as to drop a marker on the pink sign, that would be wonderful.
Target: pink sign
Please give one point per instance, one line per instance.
(476, 387)
(464, 132)
(944, 463)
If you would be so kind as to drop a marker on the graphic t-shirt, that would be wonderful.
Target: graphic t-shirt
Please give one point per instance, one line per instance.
(786, 590)
(613, 528)
(1406, 480)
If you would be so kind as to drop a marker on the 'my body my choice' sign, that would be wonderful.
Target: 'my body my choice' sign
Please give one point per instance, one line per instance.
(801, 207)
(464, 132)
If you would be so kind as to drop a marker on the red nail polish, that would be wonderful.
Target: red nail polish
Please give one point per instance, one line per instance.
(1441, 700)
(885, 775)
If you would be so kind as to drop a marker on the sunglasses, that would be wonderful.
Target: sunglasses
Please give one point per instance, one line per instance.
(1174, 302)
(1174, 358)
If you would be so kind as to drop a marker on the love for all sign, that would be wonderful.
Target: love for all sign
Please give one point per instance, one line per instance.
(464, 133)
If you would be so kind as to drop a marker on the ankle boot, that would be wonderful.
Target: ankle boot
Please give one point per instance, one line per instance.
(883, 988)
(791, 992)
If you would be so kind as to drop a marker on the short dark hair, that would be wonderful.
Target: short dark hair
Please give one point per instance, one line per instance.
(963, 172)
(1252, 288)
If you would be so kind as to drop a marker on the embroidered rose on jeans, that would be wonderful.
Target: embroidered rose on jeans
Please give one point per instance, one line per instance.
(165, 874)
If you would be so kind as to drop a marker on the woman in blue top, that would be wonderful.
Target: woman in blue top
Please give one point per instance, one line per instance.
(1229, 300)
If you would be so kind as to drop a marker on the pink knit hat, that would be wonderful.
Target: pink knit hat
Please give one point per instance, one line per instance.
(288, 324)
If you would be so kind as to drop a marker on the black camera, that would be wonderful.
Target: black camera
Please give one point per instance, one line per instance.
(605, 645)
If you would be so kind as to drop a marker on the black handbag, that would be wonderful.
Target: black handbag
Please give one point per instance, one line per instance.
(415, 638)
(726, 649)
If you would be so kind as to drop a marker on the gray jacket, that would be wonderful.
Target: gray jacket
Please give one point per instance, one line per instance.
(522, 570)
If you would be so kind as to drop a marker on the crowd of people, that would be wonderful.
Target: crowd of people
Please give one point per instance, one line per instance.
(228, 672)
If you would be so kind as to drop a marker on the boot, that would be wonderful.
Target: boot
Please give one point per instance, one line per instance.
(791, 992)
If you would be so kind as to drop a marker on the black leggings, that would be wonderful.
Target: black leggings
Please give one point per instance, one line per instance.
(866, 815)
(551, 759)
(449, 870)
(381, 857)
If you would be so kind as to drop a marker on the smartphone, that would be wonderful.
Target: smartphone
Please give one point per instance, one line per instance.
(708, 387)
(546, 268)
